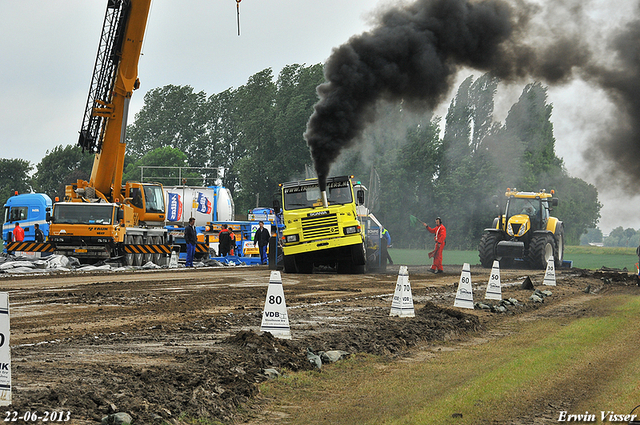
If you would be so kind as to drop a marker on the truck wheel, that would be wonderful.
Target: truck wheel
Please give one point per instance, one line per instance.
(137, 258)
(148, 240)
(157, 258)
(359, 254)
(289, 264)
(128, 258)
(487, 249)
(559, 253)
(540, 249)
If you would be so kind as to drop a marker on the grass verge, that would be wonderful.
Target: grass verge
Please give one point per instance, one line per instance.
(584, 257)
(575, 365)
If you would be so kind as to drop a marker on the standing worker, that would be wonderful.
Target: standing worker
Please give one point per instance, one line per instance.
(261, 239)
(39, 235)
(224, 240)
(191, 240)
(387, 238)
(18, 233)
(440, 234)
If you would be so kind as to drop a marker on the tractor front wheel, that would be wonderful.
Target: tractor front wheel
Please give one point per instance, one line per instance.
(487, 249)
(542, 247)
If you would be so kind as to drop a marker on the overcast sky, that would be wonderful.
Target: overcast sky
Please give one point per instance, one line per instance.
(48, 49)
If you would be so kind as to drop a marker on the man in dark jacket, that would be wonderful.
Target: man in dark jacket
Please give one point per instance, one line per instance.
(39, 235)
(224, 241)
(191, 240)
(262, 240)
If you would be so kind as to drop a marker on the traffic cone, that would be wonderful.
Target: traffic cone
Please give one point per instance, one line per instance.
(464, 296)
(494, 289)
(275, 319)
(550, 274)
(402, 304)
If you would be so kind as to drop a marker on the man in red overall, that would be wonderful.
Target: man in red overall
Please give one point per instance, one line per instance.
(440, 234)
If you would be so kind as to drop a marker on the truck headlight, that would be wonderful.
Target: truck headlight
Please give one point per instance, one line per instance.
(292, 238)
(351, 230)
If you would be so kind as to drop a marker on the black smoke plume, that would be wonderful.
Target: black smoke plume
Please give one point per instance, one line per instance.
(414, 52)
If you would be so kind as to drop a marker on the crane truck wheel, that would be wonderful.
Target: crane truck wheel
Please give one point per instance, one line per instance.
(540, 249)
(157, 258)
(137, 258)
(487, 249)
(559, 253)
(128, 258)
(148, 240)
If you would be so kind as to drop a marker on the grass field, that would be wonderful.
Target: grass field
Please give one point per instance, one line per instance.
(584, 257)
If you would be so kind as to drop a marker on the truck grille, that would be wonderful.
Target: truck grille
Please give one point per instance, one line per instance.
(321, 226)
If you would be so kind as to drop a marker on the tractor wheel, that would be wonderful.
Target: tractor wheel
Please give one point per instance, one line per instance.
(487, 249)
(559, 254)
(540, 249)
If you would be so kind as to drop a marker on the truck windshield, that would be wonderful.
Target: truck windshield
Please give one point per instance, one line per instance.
(80, 213)
(308, 196)
(154, 199)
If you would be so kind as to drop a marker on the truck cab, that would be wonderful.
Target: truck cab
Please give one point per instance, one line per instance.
(26, 209)
(319, 235)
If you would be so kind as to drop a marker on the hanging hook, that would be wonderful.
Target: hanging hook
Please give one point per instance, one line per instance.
(238, 8)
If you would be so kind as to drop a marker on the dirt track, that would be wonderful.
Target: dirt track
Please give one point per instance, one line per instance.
(158, 344)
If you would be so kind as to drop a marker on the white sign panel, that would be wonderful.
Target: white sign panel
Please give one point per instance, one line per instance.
(5, 352)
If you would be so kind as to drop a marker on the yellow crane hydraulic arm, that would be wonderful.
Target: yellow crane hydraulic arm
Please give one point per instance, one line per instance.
(115, 76)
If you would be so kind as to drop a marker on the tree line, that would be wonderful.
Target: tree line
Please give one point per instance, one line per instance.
(249, 139)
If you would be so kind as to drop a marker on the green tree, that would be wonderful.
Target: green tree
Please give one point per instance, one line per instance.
(591, 236)
(62, 166)
(166, 157)
(14, 177)
(171, 116)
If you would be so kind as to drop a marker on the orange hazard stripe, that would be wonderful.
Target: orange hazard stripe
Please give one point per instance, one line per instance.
(29, 247)
(147, 249)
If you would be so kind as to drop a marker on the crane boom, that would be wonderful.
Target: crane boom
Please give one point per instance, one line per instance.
(115, 76)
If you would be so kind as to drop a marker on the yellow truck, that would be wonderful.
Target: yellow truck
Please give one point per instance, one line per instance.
(322, 229)
(526, 231)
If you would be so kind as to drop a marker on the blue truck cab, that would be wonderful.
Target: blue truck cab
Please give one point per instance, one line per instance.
(26, 209)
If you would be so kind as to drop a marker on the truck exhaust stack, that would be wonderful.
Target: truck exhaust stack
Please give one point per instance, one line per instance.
(325, 203)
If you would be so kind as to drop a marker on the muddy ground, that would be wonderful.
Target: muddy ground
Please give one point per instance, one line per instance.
(160, 345)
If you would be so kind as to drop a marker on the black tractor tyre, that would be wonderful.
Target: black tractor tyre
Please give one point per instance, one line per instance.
(541, 248)
(487, 249)
(558, 254)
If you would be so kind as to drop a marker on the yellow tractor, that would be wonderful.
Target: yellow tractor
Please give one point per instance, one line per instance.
(526, 231)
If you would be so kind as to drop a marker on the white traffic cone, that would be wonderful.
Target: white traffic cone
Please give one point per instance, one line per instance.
(464, 296)
(274, 317)
(402, 304)
(494, 289)
(173, 261)
(550, 274)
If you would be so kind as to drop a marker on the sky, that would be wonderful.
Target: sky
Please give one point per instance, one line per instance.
(48, 49)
